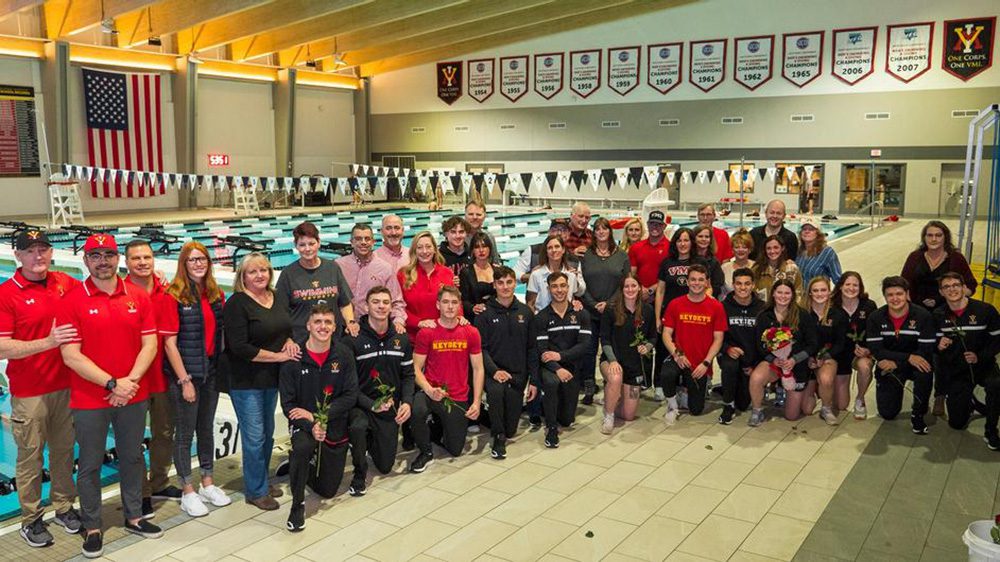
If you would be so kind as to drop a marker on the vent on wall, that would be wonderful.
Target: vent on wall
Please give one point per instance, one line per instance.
(418, 130)
(876, 116)
(557, 125)
(670, 122)
(803, 117)
(461, 128)
(960, 113)
(611, 124)
(508, 127)
(732, 120)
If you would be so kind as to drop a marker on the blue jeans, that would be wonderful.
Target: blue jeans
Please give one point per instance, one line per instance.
(255, 414)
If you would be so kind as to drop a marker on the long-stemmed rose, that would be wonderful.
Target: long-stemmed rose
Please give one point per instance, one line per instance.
(641, 345)
(322, 415)
(449, 402)
(385, 392)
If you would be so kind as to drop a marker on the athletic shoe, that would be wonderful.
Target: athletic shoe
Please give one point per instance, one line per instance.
(535, 421)
(827, 414)
(499, 448)
(296, 518)
(282, 469)
(779, 397)
(608, 425)
(726, 417)
(37, 534)
(552, 438)
(147, 508)
(682, 400)
(420, 463)
(192, 505)
(658, 395)
(93, 545)
(588, 400)
(69, 521)
(473, 428)
(919, 427)
(146, 529)
(169, 493)
(860, 411)
(214, 495)
(992, 441)
(357, 488)
(756, 418)
(670, 418)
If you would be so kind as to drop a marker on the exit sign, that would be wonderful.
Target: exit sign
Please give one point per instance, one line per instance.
(875, 153)
(217, 160)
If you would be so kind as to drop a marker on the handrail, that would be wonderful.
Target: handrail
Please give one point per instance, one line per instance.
(881, 207)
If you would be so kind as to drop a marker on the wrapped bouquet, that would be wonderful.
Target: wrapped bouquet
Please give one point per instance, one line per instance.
(778, 341)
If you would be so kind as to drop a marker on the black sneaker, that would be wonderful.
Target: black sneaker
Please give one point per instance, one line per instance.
(499, 449)
(535, 421)
(169, 493)
(147, 508)
(144, 529)
(420, 463)
(37, 534)
(992, 441)
(282, 469)
(358, 487)
(552, 437)
(588, 400)
(69, 521)
(726, 417)
(296, 518)
(919, 426)
(93, 545)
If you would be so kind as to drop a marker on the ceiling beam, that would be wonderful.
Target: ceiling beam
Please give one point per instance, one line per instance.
(8, 7)
(171, 16)
(462, 14)
(506, 36)
(346, 21)
(65, 17)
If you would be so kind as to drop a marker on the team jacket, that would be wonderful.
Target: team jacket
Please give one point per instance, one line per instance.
(569, 335)
(509, 340)
(803, 345)
(857, 325)
(742, 327)
(916, 336)
(831, 334)
(301, 384)
(390, 354)
(976, 330)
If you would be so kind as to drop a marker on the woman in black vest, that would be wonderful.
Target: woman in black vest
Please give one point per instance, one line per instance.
(192, 329)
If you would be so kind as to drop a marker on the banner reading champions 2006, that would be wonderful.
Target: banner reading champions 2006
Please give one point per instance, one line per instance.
(908, 49)
(663, 66)
(513, 77)
(802, 57)
(623, 69)
(585, 72)
(708, 63)
(754, 62)
(853, 53)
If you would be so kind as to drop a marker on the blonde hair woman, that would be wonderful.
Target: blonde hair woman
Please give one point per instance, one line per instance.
(831, 337)
(420, 280)
(635, 230)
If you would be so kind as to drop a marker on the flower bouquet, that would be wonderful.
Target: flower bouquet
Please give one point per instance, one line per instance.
(778, 341)
(385, 392)
(322, 415)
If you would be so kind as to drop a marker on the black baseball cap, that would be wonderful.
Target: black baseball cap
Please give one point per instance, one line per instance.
(656, 216)
(26, 238)
(559, 223)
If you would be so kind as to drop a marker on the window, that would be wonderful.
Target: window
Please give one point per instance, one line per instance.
(734, 178)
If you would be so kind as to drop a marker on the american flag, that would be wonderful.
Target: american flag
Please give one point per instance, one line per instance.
(124, 131)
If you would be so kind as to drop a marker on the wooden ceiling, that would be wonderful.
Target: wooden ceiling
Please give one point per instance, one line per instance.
(362, 36)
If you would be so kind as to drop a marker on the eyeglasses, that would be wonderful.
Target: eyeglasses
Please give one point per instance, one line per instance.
(949, 286)
(102, 256)
(197, 260)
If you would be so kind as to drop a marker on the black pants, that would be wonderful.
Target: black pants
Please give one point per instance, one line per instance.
(559, 399)
(588, 365)
(735, 384)
(374, 434)
(671, 376)
(302, 470)
(661, 352)
(960, 398)
(505, 400)
(453, 424)
(889, 391)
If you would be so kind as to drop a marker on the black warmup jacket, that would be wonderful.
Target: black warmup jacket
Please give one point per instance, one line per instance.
(569, 335)
(301, 384)
(509, 340)
(620, 339)
(979, 324)
(743, 327)
(804, 343)
(857, 323)
(390, 354)
(916, 336)
(832, 332)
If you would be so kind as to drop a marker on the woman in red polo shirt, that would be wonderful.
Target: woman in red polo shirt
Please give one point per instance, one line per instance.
(420, 281)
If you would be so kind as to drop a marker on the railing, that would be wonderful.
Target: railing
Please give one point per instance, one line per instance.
(871, 211)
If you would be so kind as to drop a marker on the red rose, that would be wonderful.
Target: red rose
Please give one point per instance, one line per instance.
(996, 520)
(638, 323)
(328, 389)
(373, 374)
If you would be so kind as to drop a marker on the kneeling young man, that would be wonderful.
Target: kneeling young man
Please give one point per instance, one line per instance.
(742, 306)
(563, 337)
(383, 356)
(967, 354)
(325, 375)
(441, 359)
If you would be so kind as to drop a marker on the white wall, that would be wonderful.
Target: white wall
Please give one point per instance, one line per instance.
(24, 196)
(324, 129)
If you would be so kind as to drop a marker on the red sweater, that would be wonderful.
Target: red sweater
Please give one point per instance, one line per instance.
(421, 297)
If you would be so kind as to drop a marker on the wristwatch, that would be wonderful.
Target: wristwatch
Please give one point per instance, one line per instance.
(706, 363)
(111, 384)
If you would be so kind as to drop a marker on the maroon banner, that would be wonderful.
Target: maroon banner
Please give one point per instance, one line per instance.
(663, 66)
(548, 74)
(968, 46)
(449, 81)
(481, 79)
(908, 49)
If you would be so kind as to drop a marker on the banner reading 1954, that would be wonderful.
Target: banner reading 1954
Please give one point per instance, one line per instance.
(585, 72)
(513, 77)
(663, 66)
(908, 49)
(802, 60)
(854, 53)
(481, 73)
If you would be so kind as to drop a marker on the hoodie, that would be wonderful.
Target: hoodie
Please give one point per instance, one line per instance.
(509, 340)
(301, 384)
(742, 327)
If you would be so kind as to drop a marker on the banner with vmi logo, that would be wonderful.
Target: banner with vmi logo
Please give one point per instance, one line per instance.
(449, 81)
(908, 50)
(968, 46)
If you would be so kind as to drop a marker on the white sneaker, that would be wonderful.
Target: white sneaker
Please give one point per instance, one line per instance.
(658, 395)
(860, 411)
(827, 414)
(474, 428)
(670, 418)
(192, 505)
(214, 495)
(609, 424)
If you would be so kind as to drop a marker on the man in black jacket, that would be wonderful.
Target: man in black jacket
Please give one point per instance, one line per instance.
(324, 375)
(739, 344)
(966, 355)
(383, 357)
(901, 337)
(508, 351)
(563, 336)
(774, 214)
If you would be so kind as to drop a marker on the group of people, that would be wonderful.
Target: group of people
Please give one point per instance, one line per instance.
(395, 347)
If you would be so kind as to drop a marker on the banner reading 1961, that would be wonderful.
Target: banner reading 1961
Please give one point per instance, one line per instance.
(513, 77)
(968, 46)
(754, 63)
(585, 72)
(708, 63)
(449, 81)
(663, 66)
(623, 69)
(481, 76)
(802, 60)
(908, 49)
(548, 74)
(854, 53)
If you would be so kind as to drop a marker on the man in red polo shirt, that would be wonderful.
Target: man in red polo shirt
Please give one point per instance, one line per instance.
(39, 385)
(113, 348)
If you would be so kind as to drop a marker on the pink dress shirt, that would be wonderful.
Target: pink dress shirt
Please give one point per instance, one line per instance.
(362, 277)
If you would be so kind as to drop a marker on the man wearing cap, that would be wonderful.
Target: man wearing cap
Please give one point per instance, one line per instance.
(528, 260)
(39, 384)
(114, 345)
(645, 257)
(774, 213)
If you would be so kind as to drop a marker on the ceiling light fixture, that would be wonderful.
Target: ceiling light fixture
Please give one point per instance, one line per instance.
(153, 40)
(310, 62)
(107, 24)
(338, 57)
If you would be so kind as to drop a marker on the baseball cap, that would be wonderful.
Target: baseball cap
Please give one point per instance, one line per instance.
(656, 216)
(100, 242)
(559, 223)
(26, 238)
(810, 222)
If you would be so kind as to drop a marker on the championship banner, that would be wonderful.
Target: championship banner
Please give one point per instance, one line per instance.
(585, 72)
(802, 57)
(513, 77)
(449, 81)
(754, 60)
(854, 53)
(623, 69)
(663, 66)
(968, 46)
(481, 79)
(548, 74)
(707, 68)
(908, 50)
